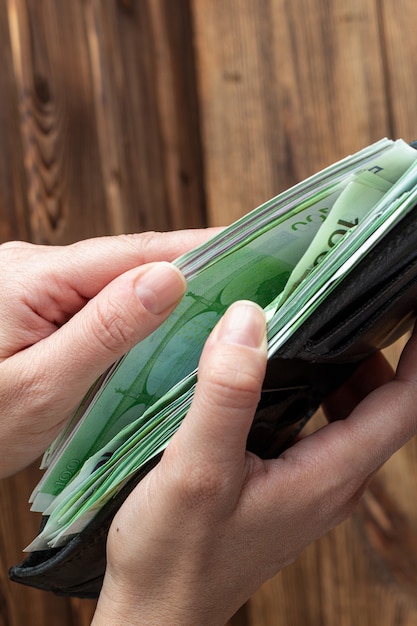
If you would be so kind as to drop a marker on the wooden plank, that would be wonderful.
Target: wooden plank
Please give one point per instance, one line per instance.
(23, 169)
(21, 605)
(178, 109)
(285, 89)
(145, 102)
(13, 207)
(105, 97)
(121, 108)
(397, 23)
(51, 69)
(99, 134)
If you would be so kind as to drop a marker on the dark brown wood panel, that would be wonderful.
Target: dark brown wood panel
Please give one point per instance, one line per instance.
(285, 89)
(130, 115)
(13, 203)
(22, 606)
(399, 47)
(99, 134)
(146, 111)
(57, 122)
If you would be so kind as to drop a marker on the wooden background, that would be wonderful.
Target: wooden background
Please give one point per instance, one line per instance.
(129, 115)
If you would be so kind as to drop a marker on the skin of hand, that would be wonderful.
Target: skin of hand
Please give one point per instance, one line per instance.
(69, 312)
(212, 522)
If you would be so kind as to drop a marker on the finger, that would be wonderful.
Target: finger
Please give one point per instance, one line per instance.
(106, 257)
(61, 367)
(91, 264)
(368, 376)
(231, 372)
(42, 286)
(77, 272)
(387, 418)
(352, 450)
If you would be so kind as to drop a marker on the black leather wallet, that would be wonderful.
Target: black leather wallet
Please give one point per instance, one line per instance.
(373, 306)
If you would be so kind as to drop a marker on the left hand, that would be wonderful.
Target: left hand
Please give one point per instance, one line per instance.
(66, 314)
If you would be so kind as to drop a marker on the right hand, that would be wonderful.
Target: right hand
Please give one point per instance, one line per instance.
(212, 522)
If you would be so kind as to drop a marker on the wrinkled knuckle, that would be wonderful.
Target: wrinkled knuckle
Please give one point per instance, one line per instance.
(229, 381)
(34, 389)
(113, 329)
(130, 240)
(147, 243)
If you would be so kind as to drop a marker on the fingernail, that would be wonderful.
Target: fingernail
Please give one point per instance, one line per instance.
(160, 287)
(243, 324)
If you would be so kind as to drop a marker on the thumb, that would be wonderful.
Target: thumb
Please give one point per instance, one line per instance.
(129, 309)
(126, 311)
(230, 375)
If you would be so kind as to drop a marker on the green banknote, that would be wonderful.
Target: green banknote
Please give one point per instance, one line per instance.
(286, 256)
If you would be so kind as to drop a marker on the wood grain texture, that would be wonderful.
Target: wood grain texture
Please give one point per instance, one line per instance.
(58, 133)
(99, 134)
(108, 117)
(130, 115)
(146, 112)
(13, 207)
(285, 89)
(399, 49)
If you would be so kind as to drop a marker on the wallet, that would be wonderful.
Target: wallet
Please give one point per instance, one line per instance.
(371, 308)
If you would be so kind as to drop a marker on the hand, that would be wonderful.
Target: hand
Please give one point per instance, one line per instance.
(67, 313)
(212, 522)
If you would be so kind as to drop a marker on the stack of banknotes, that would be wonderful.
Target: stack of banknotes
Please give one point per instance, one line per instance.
(287, 255)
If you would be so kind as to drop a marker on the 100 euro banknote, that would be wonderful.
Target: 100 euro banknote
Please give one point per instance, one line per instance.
(285, 255)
